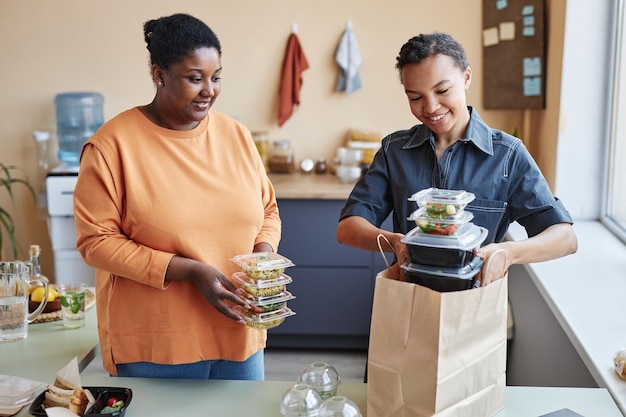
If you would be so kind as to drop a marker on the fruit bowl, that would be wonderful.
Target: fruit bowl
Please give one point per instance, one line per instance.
(51, 307)
(53, 304)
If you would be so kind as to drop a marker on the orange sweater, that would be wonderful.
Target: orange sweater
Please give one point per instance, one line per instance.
(145, 194)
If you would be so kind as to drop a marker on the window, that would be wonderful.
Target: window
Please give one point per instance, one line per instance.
(615, 207)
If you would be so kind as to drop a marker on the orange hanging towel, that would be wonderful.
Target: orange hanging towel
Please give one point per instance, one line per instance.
(294, 64)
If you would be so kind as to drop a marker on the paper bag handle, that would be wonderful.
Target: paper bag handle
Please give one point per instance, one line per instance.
(380, 248)
(488, 262)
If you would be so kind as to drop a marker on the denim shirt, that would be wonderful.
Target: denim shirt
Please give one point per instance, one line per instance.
(493, 165)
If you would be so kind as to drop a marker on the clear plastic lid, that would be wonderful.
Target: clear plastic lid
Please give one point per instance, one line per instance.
(468, 237)
(15, 390)
(468, 271)
(265, 320)
(262, 265)
(442, 201)
(323, 377)
(245, 280)
(271, 299)
(301, 400)
(445, 225)
(340, 406)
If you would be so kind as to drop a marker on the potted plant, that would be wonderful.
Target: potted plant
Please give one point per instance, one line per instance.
(7, 227)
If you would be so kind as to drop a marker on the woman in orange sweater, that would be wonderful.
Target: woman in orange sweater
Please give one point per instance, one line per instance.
(167, 194)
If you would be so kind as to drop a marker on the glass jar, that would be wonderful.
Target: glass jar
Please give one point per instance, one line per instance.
(263, 146)
(320, 166)
(282, 157)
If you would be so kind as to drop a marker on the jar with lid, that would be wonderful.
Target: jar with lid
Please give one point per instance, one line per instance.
(263, 146)
(282, 157)
(320, 166)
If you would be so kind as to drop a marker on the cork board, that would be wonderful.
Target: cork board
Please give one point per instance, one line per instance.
(514, 54)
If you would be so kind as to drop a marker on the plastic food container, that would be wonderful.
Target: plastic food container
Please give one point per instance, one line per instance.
(442, 202)
(301, 400)
(453, 251)
(15, 391)
(266, 320)
(340, 406)
(271, 303)
(444, 279)
(443, 226)
(323, 377)
(261, 287)
(263, 265)
(101, 394)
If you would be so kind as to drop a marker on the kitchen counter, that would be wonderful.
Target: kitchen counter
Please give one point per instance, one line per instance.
(310, 186)
(49, 347)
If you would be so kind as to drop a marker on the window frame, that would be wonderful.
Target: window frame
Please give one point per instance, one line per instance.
(617, 105)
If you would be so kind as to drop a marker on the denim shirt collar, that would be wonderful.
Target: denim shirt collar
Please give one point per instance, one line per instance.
(477, 132)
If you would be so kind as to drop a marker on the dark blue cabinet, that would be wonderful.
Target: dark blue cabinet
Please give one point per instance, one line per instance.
(333, 284)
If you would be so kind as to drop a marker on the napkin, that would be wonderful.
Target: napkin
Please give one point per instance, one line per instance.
(69, 376)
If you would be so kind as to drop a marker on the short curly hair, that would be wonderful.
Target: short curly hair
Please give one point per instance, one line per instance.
(172, 38)
(422, 46)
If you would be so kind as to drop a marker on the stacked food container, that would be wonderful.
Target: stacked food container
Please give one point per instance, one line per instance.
(441, 247)
(263, 282)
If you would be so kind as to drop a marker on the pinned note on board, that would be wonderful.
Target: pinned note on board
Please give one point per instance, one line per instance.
(490, 37)
(507, 31)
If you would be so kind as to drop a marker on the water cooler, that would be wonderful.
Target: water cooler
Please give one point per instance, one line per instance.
(78, 116)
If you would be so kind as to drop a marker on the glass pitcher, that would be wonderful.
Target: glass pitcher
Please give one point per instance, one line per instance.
(14, 317)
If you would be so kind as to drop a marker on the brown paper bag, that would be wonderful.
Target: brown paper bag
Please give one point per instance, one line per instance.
(437, 354)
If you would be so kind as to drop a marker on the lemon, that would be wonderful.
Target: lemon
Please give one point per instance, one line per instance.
(37, 294)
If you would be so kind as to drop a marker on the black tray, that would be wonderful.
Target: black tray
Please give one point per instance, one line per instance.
(101, 394)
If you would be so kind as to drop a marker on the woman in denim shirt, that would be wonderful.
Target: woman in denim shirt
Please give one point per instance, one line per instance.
(454, 149)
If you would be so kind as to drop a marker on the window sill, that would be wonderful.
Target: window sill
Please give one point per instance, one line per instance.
(585, 292)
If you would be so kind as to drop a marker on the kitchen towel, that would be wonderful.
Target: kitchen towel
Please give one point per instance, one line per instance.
(348, 57)
(294, 63)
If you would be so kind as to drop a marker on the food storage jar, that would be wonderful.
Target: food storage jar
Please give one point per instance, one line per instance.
(282, 159)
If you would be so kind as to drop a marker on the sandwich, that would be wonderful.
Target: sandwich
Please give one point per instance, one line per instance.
(67, 395)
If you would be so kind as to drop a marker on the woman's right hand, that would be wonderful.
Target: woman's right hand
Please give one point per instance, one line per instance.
(212, 284)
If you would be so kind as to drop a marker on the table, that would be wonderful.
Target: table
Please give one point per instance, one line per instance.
(49, 347)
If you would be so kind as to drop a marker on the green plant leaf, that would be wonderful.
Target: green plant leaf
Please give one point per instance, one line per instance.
(7, 181)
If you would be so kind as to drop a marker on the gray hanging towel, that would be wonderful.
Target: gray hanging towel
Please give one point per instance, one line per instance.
(348, 57)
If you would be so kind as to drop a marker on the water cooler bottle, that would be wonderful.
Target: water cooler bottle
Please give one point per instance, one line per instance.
(78, 116)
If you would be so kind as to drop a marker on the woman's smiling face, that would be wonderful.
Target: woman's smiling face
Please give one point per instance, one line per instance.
(190, 87)
(436, 90)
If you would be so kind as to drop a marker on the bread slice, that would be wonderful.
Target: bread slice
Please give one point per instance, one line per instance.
(73, 399)
(78, 402)
(57, 397)
(64, 383)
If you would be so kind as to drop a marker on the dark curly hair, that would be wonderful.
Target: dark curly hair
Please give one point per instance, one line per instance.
(422, 46)
(171, 38)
